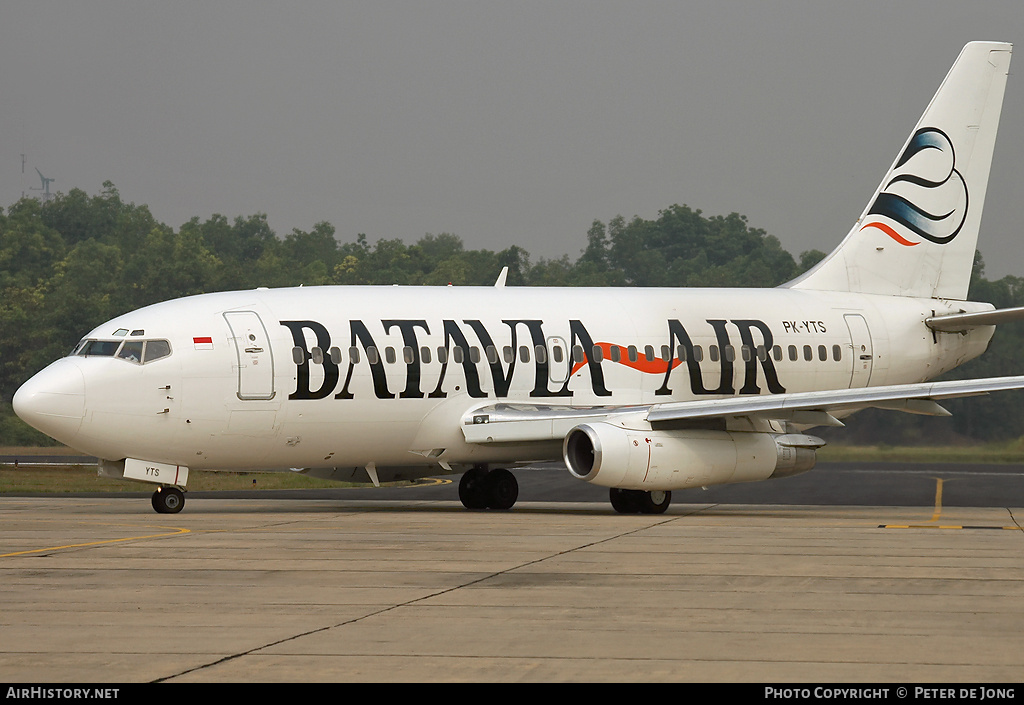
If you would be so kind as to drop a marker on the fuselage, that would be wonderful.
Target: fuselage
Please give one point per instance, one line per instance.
(336, 377)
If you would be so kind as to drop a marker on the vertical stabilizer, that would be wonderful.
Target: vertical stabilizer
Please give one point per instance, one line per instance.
(918, 234)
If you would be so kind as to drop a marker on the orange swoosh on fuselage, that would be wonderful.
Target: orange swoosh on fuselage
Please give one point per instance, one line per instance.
(657, 366)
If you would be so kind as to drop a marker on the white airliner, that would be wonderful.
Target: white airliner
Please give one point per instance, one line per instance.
(640, 390)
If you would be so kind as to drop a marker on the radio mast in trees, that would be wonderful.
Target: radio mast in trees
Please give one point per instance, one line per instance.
(45, 187)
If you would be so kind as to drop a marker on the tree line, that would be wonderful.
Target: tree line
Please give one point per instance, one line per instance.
(70, 263)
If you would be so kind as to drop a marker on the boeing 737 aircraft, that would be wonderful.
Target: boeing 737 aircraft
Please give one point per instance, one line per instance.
(643, 391)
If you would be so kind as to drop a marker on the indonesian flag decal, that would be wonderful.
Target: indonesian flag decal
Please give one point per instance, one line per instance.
(203, 342)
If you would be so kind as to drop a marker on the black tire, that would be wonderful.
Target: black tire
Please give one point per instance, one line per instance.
(168, 500)
(502, 489)
(624, 501)
(655, 502)
(472, 489)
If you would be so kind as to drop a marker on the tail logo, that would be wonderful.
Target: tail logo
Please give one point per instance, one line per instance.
(926, 195)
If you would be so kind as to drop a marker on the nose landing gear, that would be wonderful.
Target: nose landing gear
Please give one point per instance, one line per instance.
(168, 500)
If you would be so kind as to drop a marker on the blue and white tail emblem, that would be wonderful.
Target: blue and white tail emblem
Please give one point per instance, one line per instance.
(926, 195)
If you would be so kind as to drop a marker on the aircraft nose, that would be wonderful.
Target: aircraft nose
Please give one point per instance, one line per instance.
(53, 401)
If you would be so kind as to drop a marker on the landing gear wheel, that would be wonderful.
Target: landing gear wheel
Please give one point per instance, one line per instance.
(639, 502)
(624, 501)
(483, 489)
(501, 488)
(168, 500)
(473, 490)
(654, 502)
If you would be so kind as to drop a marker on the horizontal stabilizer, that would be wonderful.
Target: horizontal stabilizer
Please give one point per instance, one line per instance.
(958, 322)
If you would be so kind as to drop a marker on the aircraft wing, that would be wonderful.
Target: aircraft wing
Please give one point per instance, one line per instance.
(508, 423)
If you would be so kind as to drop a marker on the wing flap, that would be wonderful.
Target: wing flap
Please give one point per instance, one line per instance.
(511, 423)
(838, 400)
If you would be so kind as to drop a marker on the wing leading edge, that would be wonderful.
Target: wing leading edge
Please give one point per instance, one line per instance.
(518, 423)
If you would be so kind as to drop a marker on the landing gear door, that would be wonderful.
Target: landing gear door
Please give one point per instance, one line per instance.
(255, 358)
(863, 354)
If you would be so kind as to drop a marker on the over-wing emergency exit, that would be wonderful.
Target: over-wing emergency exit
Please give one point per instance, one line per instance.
(643, 391)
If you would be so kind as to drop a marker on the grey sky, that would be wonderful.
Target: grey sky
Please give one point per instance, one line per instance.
(512, 123)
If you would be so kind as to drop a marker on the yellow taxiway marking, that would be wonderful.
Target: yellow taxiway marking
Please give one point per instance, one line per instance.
(175, 532)
(938, 512)
(430, 482)
(951, 526)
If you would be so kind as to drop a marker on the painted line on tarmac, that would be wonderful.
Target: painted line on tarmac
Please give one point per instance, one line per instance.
(176, 532)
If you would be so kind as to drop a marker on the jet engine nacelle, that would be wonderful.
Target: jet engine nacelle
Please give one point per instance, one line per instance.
(611, 456)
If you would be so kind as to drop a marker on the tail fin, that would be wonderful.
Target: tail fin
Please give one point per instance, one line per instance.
(918, 234)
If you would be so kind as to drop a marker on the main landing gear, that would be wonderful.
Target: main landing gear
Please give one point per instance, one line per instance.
(481, 488)
(639, 502)
(168, 500)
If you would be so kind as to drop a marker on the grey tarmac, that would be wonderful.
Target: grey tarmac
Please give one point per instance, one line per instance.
(101, 589)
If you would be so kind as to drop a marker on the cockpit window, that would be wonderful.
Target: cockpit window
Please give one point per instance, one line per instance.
(137, 351)
(131, 351)
(156, 349)
(100, 348)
